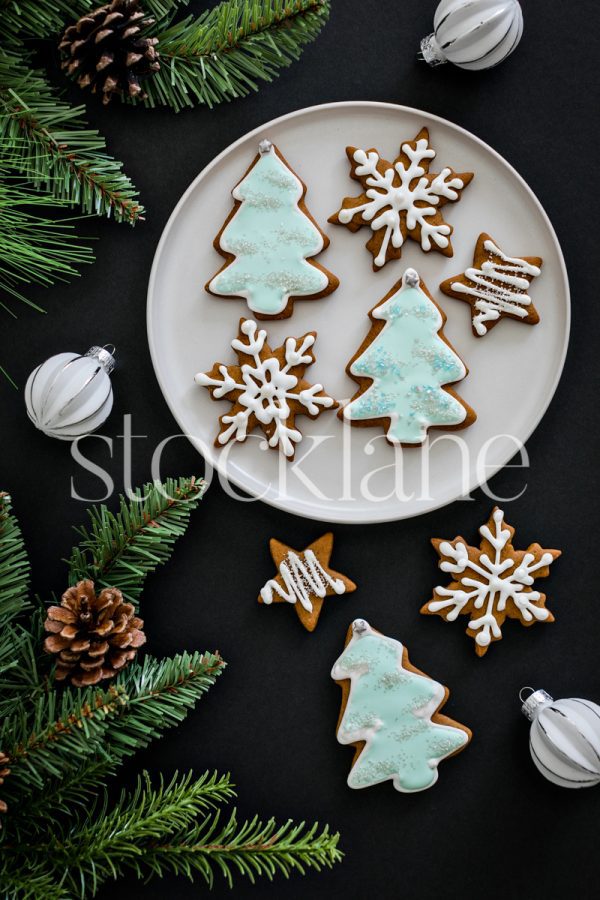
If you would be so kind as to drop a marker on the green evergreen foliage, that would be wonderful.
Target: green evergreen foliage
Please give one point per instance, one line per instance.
(62, 834)
(123, 548)
(227, 51)
(51, 159)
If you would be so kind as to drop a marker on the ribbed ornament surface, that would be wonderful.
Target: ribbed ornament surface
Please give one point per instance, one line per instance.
(473, 34)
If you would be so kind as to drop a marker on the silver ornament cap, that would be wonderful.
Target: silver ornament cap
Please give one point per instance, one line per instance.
(360, 626)
(534, 702)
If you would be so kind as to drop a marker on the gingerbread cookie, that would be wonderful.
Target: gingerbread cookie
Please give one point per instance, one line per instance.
(401, 199)
(268, 241)
(496, 286)
(390, 712)
(491, 582)
(266, 388)
(304, 578)
(404, 368)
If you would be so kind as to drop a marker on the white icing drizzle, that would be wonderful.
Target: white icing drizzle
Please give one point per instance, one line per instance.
(386, 201)
(499, 287)
(302, 576)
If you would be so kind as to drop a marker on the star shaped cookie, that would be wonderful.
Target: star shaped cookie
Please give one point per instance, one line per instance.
(496, 286)
(304, 578)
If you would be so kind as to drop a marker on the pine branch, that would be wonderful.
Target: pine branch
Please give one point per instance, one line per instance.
(14, 566)
(70, 728)
(51, 146)
(61, 798)
(253, 849)
(28, 881)
(121, 550)
(20, 677)
(34, 249)
(22, 19)
(225, 52)
(156, 830)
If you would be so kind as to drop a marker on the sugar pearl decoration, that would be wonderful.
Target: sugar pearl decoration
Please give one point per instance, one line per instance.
(473, 34)
(265, 147)
(70, 395)
(564, 738)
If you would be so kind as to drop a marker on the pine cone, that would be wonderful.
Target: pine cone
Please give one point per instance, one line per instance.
(4, 771)
(94, 636)
(104, 50)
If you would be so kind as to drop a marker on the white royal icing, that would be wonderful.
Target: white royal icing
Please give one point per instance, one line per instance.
(499, 285)
(271, 239)
(387, 202)
(302, 576)
(266, 388)
(390, 708)
(409, 364)
(500, 582)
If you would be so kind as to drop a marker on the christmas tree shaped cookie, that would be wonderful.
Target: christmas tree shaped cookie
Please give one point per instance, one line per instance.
(404, 368)
(401, 199)
(496, 286)
(269, 241)
(390, 712)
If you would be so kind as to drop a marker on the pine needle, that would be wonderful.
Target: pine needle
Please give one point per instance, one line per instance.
(228, 50)
(121, 550)
(51, 146)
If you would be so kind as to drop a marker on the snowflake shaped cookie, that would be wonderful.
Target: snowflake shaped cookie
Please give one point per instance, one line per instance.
(401, 199)
(266, 388)
(491, 583)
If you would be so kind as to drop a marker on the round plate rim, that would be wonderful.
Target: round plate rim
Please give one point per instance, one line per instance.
(348, 518)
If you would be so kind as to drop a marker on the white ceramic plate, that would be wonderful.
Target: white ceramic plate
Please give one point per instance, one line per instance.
(344, 474)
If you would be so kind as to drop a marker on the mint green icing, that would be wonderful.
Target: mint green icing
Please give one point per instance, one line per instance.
(408, 362)
(390, 708)
(271, 239)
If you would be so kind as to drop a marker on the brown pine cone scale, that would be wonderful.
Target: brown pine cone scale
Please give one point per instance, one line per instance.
(92, 636)
(106, 52)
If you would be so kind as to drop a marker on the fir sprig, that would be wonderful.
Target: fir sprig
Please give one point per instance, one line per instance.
(252, 848)
(24, 19)
(120, 550)
(228, 50)
(14, 565)
(155, 830)
(50, 145)
(60, 838)
(34, 248)
(53, 739)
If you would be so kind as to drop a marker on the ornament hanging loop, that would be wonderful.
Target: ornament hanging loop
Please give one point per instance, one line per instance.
(532, 704)
(104, 355)
(523, 689)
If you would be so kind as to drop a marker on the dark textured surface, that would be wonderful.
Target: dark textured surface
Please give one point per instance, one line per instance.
(491, 826)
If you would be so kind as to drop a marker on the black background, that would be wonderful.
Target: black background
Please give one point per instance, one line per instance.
(491, 826)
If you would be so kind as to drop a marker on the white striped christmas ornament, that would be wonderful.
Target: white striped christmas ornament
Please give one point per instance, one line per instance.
(70, 395)
(564, 738)
(473, 34)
